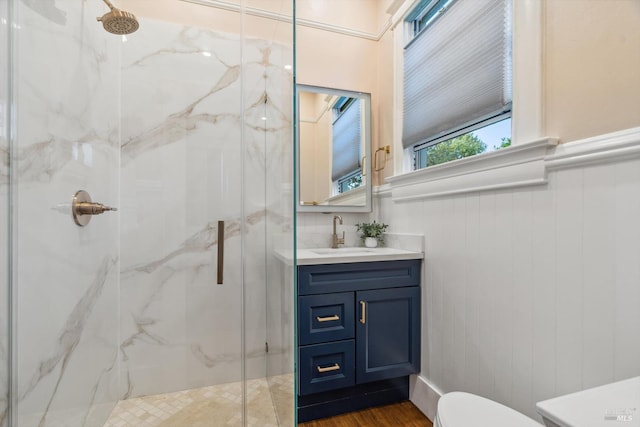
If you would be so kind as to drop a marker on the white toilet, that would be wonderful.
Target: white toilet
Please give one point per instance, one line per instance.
(603, 406)
(460, 409)
(609, 405)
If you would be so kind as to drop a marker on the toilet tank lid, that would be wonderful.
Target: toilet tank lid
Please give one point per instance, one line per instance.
(459, 409)
(604, 406)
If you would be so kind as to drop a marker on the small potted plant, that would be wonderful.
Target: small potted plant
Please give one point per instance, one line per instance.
(371, 233)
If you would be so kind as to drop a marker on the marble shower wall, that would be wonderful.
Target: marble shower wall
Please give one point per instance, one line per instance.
(192, 101)
(4, 214)
(66, 131)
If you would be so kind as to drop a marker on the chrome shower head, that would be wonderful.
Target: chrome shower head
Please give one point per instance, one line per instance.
(118, 21)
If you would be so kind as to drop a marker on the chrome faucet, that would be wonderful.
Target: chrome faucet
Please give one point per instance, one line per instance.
(337, 240)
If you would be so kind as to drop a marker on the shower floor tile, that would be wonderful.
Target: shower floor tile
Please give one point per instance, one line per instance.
(219, 405)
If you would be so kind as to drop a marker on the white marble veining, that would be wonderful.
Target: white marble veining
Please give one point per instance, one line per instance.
(4, 155)
(56, 368)
(65, 277)
(4, 244)
(177, 140)
(185, 154)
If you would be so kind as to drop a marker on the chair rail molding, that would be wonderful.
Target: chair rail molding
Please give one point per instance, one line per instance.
(516, 166)
(616, 146)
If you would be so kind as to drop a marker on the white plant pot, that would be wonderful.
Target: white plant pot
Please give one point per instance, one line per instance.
(370, 242)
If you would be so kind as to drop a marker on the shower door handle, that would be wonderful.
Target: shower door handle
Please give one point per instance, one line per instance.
(220, 252)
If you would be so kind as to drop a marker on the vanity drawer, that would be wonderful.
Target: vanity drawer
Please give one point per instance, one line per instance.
(324, 367)
(324, 318)
(330, 278)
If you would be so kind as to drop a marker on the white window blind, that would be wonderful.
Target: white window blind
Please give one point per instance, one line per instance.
(346, 142)
(457, 71)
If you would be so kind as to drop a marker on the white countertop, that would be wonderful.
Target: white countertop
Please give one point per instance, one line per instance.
(313, 256)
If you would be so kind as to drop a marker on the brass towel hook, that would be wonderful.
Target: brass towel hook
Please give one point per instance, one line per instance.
(387, 150)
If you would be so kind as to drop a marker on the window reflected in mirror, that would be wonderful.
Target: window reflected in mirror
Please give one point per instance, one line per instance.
(334, 142)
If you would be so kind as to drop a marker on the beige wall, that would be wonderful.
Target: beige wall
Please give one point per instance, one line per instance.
(592, 67)
(385, 108)
(358, 15)
(334, 60)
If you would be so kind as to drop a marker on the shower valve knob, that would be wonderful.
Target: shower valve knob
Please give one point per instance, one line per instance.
(92, 208)
(82, 208)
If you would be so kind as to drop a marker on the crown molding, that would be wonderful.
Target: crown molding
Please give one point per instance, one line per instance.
(263, 13)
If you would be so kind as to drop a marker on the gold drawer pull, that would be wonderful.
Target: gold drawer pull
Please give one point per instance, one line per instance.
(335, 367)
(363, 317)
(328, 319)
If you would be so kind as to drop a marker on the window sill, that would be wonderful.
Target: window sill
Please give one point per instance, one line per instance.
(516, 166)
(352, 197)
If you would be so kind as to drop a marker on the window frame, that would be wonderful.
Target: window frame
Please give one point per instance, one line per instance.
(418, 18)
(343, 181)
(472, 126)
(424, 14)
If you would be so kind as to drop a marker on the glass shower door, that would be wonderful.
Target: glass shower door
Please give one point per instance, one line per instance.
(65, 126)
(187, 132)
(4, 218)
(182, 225)
(129, 304)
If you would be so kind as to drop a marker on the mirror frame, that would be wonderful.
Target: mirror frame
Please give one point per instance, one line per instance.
(366, 97)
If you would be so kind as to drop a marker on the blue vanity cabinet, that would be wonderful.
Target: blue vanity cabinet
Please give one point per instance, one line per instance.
(358, 335)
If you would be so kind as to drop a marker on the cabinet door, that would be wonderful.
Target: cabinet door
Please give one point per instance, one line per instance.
(387, 333)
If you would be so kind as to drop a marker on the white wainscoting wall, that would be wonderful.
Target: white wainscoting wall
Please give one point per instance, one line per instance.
(531, 292)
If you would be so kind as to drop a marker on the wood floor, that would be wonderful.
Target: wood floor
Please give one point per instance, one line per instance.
(403, 414)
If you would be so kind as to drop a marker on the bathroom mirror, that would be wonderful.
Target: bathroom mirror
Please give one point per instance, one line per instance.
(334, 150)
